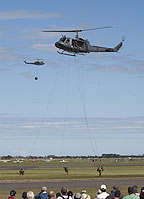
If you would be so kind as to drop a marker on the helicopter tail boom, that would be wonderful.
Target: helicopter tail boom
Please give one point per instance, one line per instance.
(105, 49)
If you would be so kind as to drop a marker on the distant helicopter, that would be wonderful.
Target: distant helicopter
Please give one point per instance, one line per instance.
(38, 62)
(79, 45)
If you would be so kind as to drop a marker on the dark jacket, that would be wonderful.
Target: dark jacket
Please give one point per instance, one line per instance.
(42, 195)
(112, 195)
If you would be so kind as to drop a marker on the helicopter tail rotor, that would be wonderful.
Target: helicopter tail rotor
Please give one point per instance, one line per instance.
(123, 38)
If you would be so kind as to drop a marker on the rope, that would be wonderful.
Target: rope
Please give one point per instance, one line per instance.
(47, 106)
(66, 108)
(80, 81)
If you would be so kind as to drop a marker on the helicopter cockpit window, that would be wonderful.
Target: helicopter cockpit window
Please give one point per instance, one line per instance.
(63, 39)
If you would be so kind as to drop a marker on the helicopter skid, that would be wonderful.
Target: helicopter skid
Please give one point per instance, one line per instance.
(62, 53)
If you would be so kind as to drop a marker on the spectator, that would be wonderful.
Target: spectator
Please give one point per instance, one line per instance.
(51, 195)
(77, 196)
(135, 187)
(112, 194)
(103, 193)
(98, 192)
(84, 194)
(64, 192)
(24, 195)
(131, 194)
(117, 194)
(43, 194)
(70, 194)
(142, 193)
(58, 195)
(30, 195)
(12, 194)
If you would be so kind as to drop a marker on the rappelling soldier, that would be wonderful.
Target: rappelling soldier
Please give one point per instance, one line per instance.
(100, 170)
(66, 170)
(21, 172)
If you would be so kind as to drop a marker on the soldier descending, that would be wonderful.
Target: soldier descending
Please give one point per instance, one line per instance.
(21, 172)
(66, 170)
(100, 170)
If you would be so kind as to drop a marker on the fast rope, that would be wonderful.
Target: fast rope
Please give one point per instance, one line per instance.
(66, 107)
(80, 81)
(47, 106)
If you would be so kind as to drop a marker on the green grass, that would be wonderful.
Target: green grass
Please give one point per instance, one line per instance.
(57, 173)
(74, 173)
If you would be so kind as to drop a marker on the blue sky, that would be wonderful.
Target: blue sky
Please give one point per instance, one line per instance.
(48, 116)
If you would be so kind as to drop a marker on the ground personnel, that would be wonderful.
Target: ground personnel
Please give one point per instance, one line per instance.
(21, 172)
(66, 170)
(100, 170)
(43, 194)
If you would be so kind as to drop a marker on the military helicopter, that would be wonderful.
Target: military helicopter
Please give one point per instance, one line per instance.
(38, 62)
(79, 45)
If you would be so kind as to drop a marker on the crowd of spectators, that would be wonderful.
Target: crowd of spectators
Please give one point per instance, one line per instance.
(66, 194)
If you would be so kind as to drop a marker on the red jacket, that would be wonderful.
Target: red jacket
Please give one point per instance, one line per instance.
(11, 197)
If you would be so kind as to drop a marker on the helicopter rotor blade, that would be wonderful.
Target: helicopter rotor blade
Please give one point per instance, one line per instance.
(59, 31)
(77, 30)
(95, 28)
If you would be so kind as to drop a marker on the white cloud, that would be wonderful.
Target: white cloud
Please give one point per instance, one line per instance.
(7, 54)
(34, 34)
(23, 14)
(100, 124)
(108, 63)
(45, 47)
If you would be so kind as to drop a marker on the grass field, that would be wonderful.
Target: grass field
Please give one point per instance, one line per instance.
(78, 169)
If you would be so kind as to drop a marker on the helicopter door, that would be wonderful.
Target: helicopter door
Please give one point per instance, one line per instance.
(74, 43)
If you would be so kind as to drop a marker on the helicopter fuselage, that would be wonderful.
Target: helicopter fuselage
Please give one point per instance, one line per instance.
(79, 45)
(38, 63)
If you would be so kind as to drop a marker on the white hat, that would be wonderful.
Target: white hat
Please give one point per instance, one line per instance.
(103, 186)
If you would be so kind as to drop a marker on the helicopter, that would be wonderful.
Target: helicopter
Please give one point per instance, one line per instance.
(38, 62)
(79, 45)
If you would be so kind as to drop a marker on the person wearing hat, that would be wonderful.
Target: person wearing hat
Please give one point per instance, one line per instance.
(131, 194)
(84, 194)
(43, 194)
(103, 193)
(12, 194)
(142, 193)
